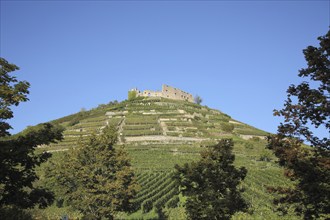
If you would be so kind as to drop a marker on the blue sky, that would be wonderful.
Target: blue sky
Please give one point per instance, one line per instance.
(239, 56)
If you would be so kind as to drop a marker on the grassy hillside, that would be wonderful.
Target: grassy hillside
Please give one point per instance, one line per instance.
(155, 120)
(159, 133)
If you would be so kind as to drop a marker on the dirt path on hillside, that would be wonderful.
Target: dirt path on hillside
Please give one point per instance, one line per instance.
(120, 130)
(163, 126)
(163, 138)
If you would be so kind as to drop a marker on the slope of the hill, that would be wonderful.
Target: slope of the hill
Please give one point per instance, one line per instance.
(156, 121)
(159, 133)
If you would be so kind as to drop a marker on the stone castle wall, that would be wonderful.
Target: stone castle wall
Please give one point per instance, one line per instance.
(174, 93)
(167, 92)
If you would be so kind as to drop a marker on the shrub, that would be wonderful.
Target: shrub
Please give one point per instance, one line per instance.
(248, 145)
(131, 95)
(227, 127)
(265, 156)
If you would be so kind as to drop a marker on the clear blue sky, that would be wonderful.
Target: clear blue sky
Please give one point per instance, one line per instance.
(239, 56)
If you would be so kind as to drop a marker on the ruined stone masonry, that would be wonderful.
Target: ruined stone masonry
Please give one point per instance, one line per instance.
(167, 92)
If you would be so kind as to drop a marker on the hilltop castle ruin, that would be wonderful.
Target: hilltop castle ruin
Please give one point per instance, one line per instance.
(167, 92)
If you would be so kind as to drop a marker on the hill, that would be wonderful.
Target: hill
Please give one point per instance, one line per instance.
(156, 120)
(159, 133)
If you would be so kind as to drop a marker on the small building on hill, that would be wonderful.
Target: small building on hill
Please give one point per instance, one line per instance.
(167, 92)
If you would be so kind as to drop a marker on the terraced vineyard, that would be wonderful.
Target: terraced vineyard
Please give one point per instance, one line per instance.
(158, 188)
(135, 125)
(159, 133)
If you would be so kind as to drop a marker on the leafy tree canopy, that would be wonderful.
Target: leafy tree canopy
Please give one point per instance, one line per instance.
(94, 177)
(198, 100)
(307, 106)
(211, 184)
(12, 92)
(17, 166)
(132, 95)
(17, 157)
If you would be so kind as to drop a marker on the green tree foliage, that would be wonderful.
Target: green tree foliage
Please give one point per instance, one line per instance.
(115, 102)
(198, 100)
(307, 106)
(17, 166)
(227, 127)
(17, 157)
(131, 95)
(12, 92)
(211, 184)
(94, 178)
